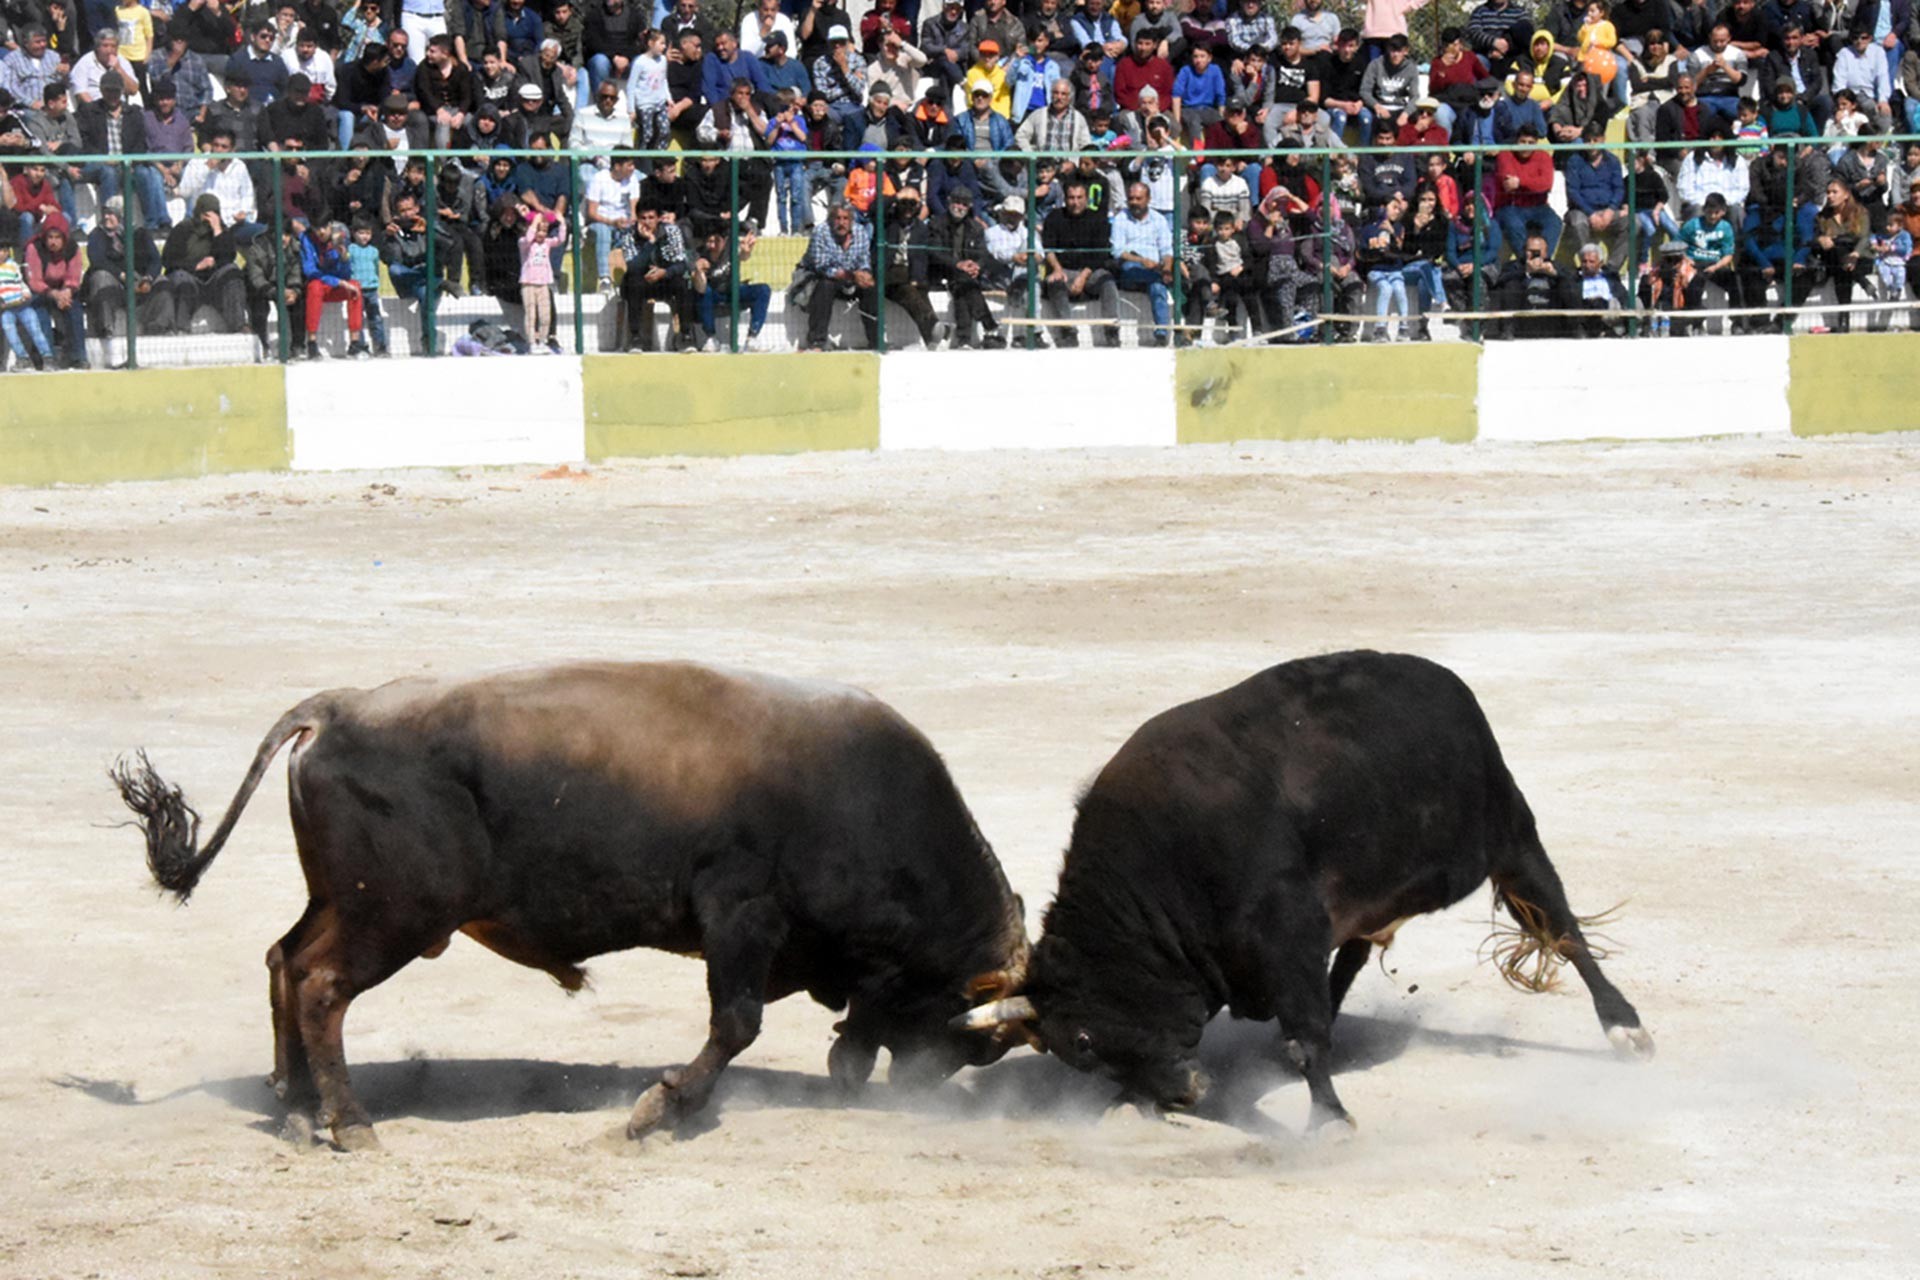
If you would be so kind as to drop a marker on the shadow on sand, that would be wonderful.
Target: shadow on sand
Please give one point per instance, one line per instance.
(1242, 1057)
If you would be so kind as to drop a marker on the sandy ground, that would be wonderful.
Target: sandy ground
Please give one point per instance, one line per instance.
(1700, 660)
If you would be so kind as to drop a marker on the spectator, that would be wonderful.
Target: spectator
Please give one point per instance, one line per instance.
(1057, 128)
(990, 70)
(881, 20)
(108, 251)
(1596, 287)
(109, 127)
(1720, 71)
(361, 28)
(1454, 76)
(1079, 256)
(1763, 251)
(787, 138)
(657, 271)
(309, 59)
(1708, 236)
(764, 21)
(712, 282)
(1497, 31)
(1249, 27)
(1033, 73)
(612, 37)
(957, 258)
(1013, 251)
(566, 26)
(1652, 78)
(523, 30)
(1597, 197)
(21, 321)
(1142, 248)
(1142, 68)
(539, 182)
(362, 89)
(1518, 109)
(1422, 128)
(217, 174)
(55, 275)
(992, 22)
(1383, 256)
(558, 81)
(897, 65)
(394, 130)
(1426, 248)
(1473, 245)
(666, 193)
(199, 262)
(1387, 174)
(1715, 169)
(1479, 123)
(1318, 26)
(686, 100)
(840, 76)
(260, 68)
(1865, 170)
(1225, 191)
(35, 199)
(104, 64)
(1199, 292)
(1293, 80)
(1386, 19)
(1270, 235)
(235, 114)
(363, 260)
(1199, 94)
(611, 198)
(495, 81)
(475, 26)
(1530, 282)
(445, 90)
(328, 277)
(837, 265)
(272, 276)
(1862, 67)
(1685, 118)
(1328, 247)
(1523, 177)
(1796, 64)
(459, 215)
(540, 243)
(943, 38)
(725, 64)
(26, 71)
(1341, 78)
(500, 244)
(295, 116)
(784, 74)
(1579, 108)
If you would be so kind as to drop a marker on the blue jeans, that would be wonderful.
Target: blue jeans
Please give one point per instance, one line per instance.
(1728, 107)
(1390, 293)
(18, 321)
(1337, 123)
(147, 186)
(599, 67)
(757, 298)
(1134, 278)
(73, 320)
(1648, 227)
(791, 198)
(1427, 284)
(1514, 222)
(376, 321)
(408, 282)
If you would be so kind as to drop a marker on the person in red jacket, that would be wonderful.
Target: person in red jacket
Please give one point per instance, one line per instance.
(34, 197)
(54, 271)
(1522, 178)
(1141, 67)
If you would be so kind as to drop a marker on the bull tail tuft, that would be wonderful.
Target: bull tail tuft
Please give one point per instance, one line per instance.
(171, 825)
(1528, 953)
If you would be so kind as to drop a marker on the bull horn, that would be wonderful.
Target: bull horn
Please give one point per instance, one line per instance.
(999, 1013)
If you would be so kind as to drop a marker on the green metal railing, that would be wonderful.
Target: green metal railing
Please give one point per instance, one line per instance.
(780, 254)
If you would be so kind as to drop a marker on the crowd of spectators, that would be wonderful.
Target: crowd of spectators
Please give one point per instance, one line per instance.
(1135, 106)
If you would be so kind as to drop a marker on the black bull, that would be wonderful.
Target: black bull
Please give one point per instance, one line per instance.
(800, 837)
(1234, 841)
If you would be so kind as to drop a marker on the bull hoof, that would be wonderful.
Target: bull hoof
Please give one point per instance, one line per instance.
(355, 1137)
(850, 1064)
(298, 1129)
(1632, 1042)
(1332, 1127)
(655, 1108)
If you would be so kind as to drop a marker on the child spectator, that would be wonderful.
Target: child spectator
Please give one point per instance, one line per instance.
(647, 93)
(363, 261)
(787, 139)
(545, 233)
(19, 318)
(1747, 124)
(1236, 288)
(323, 265)
(1891, 249)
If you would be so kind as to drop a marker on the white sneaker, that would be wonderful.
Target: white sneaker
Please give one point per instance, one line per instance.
(710, 346)
(606, 287)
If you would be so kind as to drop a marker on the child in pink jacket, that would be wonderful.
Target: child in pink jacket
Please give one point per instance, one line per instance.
(545, 235)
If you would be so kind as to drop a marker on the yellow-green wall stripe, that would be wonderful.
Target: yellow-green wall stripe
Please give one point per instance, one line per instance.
(1853, 382)
(1401, 392)
(649, 406)
(150, 424)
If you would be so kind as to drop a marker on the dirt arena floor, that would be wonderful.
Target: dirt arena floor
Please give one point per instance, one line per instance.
(1699, 658)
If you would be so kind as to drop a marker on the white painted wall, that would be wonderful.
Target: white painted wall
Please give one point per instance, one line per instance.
(1087, 398)
(449, 412)
(1653, 389)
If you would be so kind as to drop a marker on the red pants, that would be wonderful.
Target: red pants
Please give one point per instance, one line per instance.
(320, 292)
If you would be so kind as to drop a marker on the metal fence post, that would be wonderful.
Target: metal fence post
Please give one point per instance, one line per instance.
(129, 208)
(879, 263)
(430, 294)
(1326, 247)
(1633, 237)
(1475, 228)
(1787, 219)
(733, 253)
(1033, 254)
(1176, 293)
(577, 230)
(280, 260)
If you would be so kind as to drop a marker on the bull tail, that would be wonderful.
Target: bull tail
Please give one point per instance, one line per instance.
(172, 826)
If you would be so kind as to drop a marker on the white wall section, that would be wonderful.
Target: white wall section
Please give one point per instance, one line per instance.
(1653, 389)
(449, 412)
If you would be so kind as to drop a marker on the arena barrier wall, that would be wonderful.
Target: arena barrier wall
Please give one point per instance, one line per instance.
(1047, 399)
(86, 428)
(1860, 383)
(461, 413)
(645, 407)
(152, 424)
(1415, 392)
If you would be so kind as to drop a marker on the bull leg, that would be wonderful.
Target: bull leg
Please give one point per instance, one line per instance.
(740, 944)
(1347, 963)
(1531, 880)
(850, 1060)
(1296, 940)
(292, 1078)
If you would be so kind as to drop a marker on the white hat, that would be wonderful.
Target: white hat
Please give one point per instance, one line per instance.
(1014, 204)
(838, 34)
(531, 91)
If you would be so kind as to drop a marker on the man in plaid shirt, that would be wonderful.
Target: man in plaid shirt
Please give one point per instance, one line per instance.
(839, 262)
(1058, 128)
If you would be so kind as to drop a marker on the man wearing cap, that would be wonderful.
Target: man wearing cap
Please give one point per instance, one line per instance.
(990, 72)
(395, 130)
(1007, 247)
(1477, 124)
(106, 279)
(534, 116)
(294, 114)
(981, 129)
(25, 71)
(169, 133)
(840, 76)
(943, 38)
(1142, 247)
(763, 20)
(200, 267)
(995, 22)
(1058, 128)
(781, 70)
(957, 258)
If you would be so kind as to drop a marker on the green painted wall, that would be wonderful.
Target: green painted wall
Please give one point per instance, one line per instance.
(1401, 392)
(152, 424)
(1854, 382)
(649, 406)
